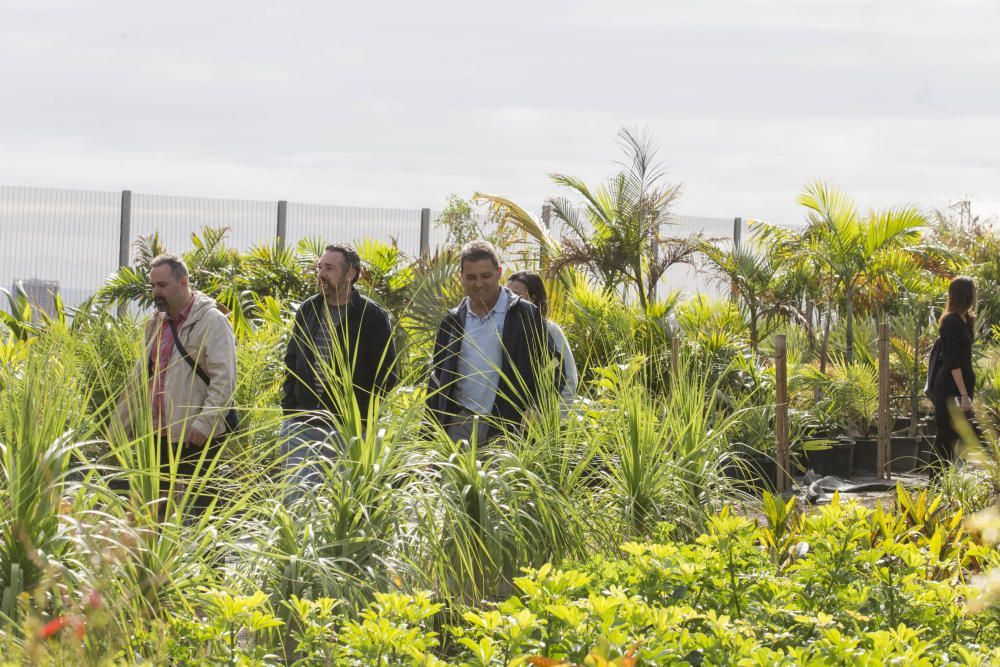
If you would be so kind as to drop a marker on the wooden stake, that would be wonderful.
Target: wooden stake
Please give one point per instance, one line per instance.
(675, 356)
(883, 466)
(784, 479)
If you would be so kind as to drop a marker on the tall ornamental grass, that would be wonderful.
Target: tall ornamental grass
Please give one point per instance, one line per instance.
(89, 545)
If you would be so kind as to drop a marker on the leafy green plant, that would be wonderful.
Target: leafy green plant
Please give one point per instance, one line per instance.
(227, 632)
(39, 429)
(713, 328)
(781, 531)
(386, 274)
(394, 629)
(856, 251)
(19, 322)
(400, 509)
(602, 331)
(849, 396)
(753, 271)
(683, 434)
(488, 516)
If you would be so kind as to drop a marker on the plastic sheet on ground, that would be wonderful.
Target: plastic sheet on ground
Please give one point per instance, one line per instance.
(820, 490)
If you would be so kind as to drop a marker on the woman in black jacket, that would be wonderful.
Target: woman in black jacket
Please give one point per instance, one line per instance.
(955, 382)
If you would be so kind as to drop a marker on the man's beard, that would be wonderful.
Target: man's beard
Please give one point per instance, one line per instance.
(160, 303)
(328, 290)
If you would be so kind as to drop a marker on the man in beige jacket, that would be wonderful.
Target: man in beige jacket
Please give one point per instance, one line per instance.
(190, 363)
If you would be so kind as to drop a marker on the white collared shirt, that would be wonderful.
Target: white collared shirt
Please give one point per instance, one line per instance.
(481, 357)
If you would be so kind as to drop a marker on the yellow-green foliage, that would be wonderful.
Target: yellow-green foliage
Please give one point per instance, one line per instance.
(844, 584)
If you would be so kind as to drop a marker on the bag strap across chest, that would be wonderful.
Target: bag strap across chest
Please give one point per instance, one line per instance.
(199, 371)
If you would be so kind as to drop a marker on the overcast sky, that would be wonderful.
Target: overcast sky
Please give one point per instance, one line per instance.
(399, 104)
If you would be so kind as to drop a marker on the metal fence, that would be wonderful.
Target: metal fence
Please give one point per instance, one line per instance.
(69, 237)
(76, 239)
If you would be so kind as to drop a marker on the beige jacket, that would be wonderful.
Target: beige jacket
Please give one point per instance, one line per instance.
(188, 403)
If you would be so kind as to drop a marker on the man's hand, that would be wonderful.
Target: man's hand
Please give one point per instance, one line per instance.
(194, 438)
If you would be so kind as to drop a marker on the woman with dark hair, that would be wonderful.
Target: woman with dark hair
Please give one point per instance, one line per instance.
(955, 381)
(528, 285)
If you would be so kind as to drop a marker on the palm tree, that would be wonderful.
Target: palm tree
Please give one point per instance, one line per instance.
(130, 284)
(755, 272)
(616, 236)
(915, 331)
(977, 241)
(280, 270)
(922, 287)
(387, 274)
(798, 282)
(858, 253)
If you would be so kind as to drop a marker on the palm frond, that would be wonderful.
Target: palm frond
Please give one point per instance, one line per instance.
(127, 285)
(900, 226)
(509, 213)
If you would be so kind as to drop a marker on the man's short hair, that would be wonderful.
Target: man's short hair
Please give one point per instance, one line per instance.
(475, 251)
(177, 266)
(351, 256)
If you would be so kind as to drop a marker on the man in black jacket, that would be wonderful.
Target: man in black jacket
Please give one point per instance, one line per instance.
(340, 353)
(489, 353)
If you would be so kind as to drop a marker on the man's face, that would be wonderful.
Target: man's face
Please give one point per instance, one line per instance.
(333, 275)
(481, 280)
(169, 293)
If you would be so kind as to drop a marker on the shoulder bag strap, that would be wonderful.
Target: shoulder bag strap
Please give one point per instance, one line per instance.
(180, 348)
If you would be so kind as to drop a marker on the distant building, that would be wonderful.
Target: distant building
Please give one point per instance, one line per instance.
(41, 294)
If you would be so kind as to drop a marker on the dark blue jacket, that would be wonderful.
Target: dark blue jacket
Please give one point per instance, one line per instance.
(526, 350)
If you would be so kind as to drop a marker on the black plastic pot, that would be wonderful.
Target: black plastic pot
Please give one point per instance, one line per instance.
(926, 449)
(836, 459)
(865, 457)
(904, 454)
(900, 424)
(753, 471)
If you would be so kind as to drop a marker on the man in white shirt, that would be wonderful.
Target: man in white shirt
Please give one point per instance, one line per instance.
(488, 352)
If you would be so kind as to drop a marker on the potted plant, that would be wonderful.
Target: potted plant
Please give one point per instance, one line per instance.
(753, 463)
(844, 415)
(824, 447)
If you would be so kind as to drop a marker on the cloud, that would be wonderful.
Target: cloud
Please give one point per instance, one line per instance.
(399, 104)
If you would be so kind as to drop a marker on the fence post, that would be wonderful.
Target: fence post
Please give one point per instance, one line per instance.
(125, 230)
(281, 232)
(425, 232)
(883, 463)
(734, 291)
(783, 481)
(547, 222)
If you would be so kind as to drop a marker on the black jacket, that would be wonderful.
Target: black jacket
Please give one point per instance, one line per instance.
(365, 337)
(526, 350)
(956, 352)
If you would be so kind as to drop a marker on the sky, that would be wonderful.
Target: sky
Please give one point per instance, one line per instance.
(399, 104)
